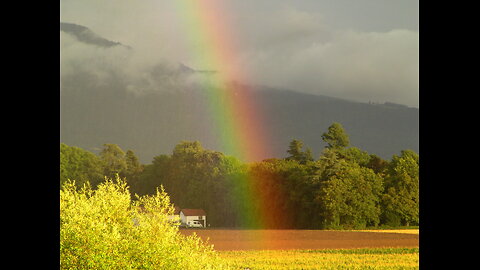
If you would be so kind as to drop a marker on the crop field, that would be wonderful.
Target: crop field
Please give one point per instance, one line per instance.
(303, 239)
(314, 249)
(379, 258)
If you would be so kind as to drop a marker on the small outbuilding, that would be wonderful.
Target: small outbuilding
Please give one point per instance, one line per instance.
(189, 217)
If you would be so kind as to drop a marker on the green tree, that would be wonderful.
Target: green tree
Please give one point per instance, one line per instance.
(350, 196)
(377, 164)
(132, 162)
(153, 175)
(296, 152)
(336, 137)
(401, 199)
(302, 182)
(187, 150)
(197, 178)
(113, 159)
(356, 155)
(269, 178)
(133, 168)
(79, 165)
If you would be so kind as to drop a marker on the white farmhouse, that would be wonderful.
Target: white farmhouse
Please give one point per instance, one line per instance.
(193, 217)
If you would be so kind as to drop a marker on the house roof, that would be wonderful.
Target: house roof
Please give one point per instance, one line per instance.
(177, 210)
(193, 212)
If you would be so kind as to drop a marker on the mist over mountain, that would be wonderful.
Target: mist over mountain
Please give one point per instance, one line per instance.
(149, 108)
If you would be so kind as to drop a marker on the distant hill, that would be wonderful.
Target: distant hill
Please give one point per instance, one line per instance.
(151, 124)
(84, 34)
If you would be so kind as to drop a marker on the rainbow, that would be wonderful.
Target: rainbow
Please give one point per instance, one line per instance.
(231, 105)
(236, 116)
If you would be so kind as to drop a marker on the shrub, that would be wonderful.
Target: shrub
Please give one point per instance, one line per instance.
(105, 229)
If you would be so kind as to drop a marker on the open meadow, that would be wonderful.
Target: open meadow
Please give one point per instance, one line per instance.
(314, 249)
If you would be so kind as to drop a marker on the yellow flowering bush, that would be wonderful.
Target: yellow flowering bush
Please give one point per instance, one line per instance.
(104, 228)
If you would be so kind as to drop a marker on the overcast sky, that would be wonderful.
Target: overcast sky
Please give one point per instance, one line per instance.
(362, 50)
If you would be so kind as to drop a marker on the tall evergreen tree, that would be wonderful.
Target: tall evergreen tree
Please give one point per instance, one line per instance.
(336, 137)
(295, 149)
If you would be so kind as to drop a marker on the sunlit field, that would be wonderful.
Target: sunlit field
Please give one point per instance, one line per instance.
(314, 249)
(379, 258)
(406, 231)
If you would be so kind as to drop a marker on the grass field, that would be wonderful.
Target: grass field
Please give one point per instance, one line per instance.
(372, 258)
(407, 231)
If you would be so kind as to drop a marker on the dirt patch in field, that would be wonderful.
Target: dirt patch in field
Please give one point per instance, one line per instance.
(301, 239)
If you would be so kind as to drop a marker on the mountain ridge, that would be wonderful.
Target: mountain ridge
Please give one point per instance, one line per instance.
(85, 35)
(95, 112)
(154, 123)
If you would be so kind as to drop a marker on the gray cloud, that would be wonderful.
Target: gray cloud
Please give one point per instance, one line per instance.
(359, 66)
(307, 46)
(120, 66)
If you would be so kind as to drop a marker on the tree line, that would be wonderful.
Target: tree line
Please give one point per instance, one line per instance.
(345, 188)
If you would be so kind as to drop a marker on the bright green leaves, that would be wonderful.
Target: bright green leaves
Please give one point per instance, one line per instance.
(103, 229)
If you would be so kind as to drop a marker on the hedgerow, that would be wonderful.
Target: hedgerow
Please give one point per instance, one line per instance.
(104, 228)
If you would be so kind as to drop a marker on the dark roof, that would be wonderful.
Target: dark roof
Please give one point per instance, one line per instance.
(177, 210)
(193, 212)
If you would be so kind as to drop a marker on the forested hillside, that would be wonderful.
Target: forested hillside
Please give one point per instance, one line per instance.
(152, 123)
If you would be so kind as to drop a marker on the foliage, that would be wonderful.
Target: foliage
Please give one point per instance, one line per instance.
(113, 158)
(133, 168)
(345, 188)
(104, 229)
(355, 155)
(350, 197)
(401, 199)
(271, 180)
(377, 164)
(297, 154)
(198, 178)
(79, 164)
(82, 166)
(336, 137)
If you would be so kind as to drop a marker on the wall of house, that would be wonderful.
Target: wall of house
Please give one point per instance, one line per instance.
(182, 218)
(192, 218)
(186, 219)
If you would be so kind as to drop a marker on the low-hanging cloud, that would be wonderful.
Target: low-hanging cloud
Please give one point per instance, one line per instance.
(131, 70)
(282, 45)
